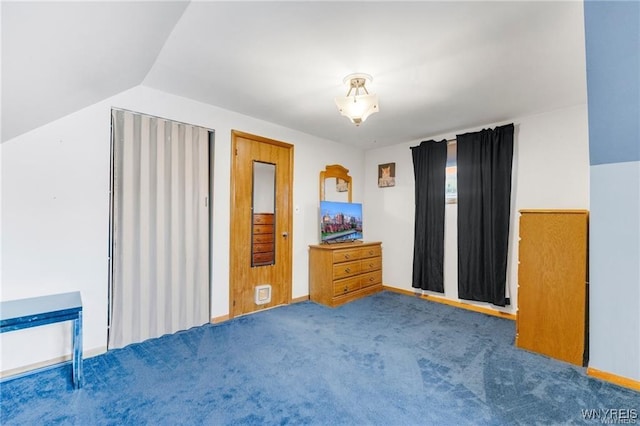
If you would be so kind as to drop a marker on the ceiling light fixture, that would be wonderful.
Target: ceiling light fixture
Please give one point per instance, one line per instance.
(357, 107)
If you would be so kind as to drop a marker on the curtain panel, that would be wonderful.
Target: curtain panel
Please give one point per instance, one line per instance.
(429, 163)
(160, 228)
(484, 211)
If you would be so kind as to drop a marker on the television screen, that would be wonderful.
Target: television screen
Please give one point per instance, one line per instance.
(340, 222)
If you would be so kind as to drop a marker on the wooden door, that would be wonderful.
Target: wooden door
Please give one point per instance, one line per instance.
(552, 283)
(261, 218)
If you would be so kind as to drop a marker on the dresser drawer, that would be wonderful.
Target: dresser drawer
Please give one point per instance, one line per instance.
(373, 251)
(346, 255)
(265, 258)
(262, 229)
(346, 269)
(262, 247)
(345, 286)
(263, 238)
(263, 219)
(372, 264)
(371, 278)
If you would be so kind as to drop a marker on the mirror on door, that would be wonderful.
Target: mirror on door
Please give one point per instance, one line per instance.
(263, 209)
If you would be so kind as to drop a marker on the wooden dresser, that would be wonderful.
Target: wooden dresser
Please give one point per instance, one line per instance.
(263, 239)
(342, 272)
(552, 284)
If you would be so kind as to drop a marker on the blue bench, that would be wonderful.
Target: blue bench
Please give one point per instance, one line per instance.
(43, 310)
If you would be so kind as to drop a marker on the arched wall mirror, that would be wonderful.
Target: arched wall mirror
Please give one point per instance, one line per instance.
(335, 184)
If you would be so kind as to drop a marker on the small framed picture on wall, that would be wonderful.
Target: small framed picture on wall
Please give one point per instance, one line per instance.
(386, 175)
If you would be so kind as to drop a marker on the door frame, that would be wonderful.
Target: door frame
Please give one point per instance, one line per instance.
(236, 222)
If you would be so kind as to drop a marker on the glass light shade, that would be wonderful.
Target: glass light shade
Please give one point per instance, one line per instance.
(357, 108)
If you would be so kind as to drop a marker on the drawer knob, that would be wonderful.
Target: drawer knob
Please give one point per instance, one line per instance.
(347, 270)
(370, 278)
(346, 256)
(346, 289)
(371, 265)
(370, 251)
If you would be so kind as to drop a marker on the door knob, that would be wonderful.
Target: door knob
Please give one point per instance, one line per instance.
(285, 234)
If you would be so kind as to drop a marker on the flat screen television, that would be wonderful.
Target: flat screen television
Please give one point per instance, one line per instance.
(340, 222)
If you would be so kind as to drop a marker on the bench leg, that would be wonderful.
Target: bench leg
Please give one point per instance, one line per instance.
(77, 352)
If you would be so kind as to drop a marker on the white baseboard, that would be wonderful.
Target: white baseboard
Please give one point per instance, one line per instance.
(19, 371)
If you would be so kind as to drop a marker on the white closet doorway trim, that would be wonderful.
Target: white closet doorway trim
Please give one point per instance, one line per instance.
(159, 269)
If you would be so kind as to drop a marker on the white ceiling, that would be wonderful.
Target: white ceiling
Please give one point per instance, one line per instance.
(437, 67)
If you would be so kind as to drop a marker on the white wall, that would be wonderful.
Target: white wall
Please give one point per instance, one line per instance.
(55, 183)
(612, 35)
(550, 170)
(614, 271)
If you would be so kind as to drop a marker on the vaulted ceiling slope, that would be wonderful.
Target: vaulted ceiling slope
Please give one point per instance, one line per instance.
(59, 57)
(436, 66)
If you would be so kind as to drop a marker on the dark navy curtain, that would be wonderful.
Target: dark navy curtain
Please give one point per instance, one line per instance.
(484, 207)
(429, 162)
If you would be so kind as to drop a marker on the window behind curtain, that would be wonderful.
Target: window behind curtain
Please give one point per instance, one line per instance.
(451, 170)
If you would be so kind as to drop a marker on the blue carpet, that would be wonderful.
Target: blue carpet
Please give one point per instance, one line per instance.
(388, 359)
